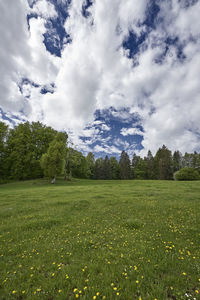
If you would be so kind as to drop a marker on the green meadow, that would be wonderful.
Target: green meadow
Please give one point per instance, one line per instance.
(89, 239)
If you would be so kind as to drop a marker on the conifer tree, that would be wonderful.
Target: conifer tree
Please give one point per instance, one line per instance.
(124, 164)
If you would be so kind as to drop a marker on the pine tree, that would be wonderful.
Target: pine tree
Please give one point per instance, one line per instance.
(150, 166)
(164, 164)
(107, 168)
(115, 171)
(124, 164)
(177, 161)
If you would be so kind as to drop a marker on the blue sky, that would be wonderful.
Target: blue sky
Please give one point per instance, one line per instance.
(116, 75)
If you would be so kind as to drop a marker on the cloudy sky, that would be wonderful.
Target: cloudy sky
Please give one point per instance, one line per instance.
(115, 74)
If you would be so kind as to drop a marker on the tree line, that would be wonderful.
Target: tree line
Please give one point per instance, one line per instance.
(33, 150)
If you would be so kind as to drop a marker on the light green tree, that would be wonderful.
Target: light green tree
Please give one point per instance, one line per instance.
(53, 162)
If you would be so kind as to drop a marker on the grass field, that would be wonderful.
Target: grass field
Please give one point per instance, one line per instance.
(100, 240)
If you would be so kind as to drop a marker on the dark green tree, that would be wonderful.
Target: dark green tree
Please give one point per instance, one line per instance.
(114, 165)
(135, 161)
(107, 168)
(124, 164)
(99, 169)
(150, 166)
(164, 164)
(177, 161)
(3, 140)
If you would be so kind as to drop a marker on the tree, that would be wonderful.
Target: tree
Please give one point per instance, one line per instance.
(53, 162)
(124, 164)
(107, 168)
(164, 164)
(24, 148)
(19, 152)
(99, 169)
(76, 164)
(90, 165)
(139, 167)
(3, 138)
(187, 174)
(150, 166)
(177, 161)
(115, 171)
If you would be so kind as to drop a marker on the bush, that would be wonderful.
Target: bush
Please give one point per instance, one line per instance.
(187, 174)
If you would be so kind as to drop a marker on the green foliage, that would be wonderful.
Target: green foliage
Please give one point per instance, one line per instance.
(99, 169)
(90, 159)
(53, 162)
(24, 147)
(177, 161)
(107, 168)
(150, 169)
(139, 167)
(163, 164)
(3, 138)
(76, 164)
(115, 170)
(124, 164)
(187, 174)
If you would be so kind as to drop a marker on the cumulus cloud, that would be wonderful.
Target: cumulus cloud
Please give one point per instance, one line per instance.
(44, 9)
(159, 85)
(131, 131)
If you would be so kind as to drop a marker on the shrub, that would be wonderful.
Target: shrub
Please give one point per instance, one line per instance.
(187, 174)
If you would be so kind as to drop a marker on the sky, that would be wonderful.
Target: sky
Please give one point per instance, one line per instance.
(114, 74)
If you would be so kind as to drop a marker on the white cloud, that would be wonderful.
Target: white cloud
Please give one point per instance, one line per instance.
(44, 9)
(95, 73)
(131, 131)
(107, 149)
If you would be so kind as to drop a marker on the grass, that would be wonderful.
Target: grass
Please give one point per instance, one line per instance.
(100, 240)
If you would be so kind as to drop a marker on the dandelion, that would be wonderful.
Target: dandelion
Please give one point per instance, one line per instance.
(94, 297)
(53, 274)
(59, 291)
(38, 290)
(117, 293)
(114, 288)
(184, 273)
(97, 293)
(77, 295)
(137, 281)
(14, 292)
(23, 292)
(135, 268)
(196, 291)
